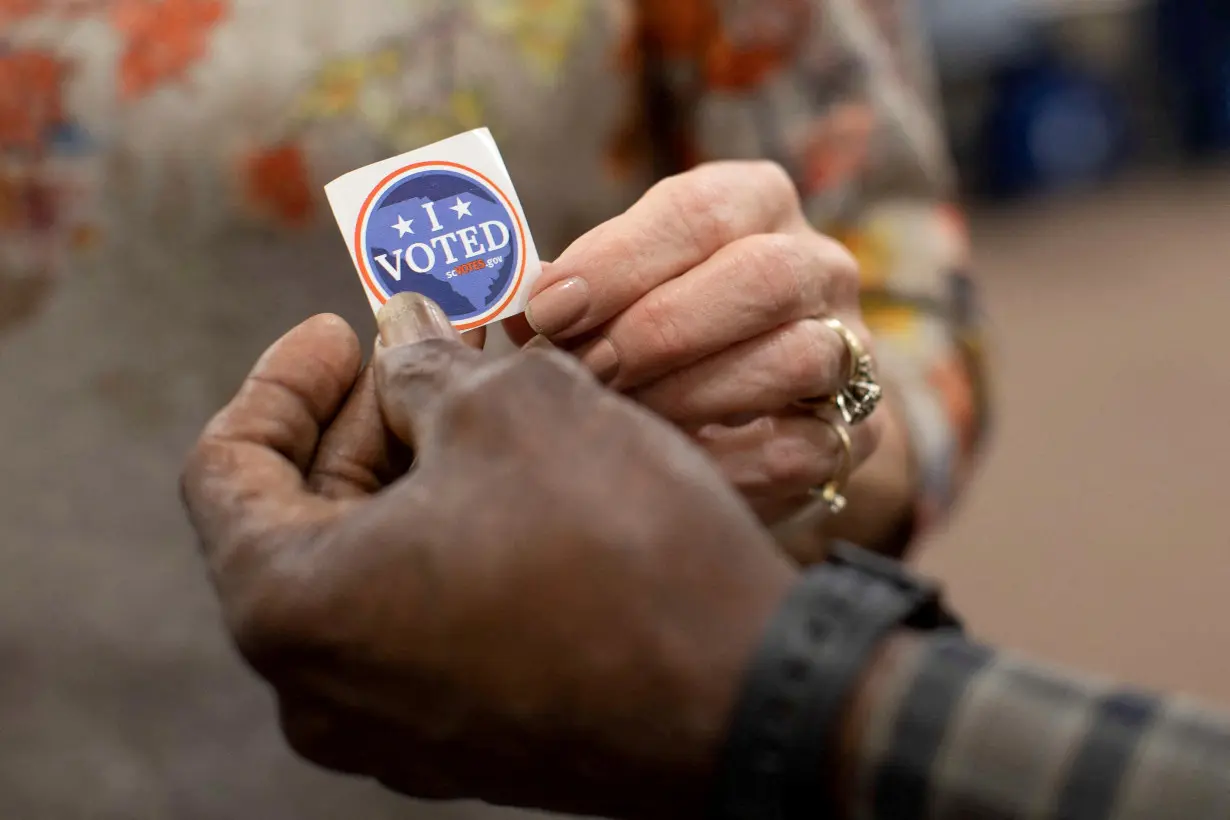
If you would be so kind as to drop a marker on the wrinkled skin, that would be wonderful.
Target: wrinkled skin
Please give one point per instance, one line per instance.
(703, 303)
(551, 609)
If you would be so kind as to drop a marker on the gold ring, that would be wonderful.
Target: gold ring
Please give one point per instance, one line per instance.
(831, 491)
(858, 399)
(854, 345)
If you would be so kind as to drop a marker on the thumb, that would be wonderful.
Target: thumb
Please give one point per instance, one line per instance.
(419, 355)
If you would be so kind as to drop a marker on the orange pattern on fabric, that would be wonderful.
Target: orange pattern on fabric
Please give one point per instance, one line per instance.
(775, 31)
(31, 101)
(276, 182)
(164, 39)
(951, 382)
(692, 32)
(13, 10)
(10, 202)
(684, 50)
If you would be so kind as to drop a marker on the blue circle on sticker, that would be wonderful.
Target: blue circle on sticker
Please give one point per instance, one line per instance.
(448, 232)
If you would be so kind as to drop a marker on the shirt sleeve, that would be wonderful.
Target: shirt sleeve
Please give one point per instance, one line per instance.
(876, 175)
(839, 91)
(965, 732)
(873, 170)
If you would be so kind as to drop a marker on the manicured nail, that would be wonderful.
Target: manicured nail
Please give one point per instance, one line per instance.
(559, 307)
(411, 317)
(602, 359)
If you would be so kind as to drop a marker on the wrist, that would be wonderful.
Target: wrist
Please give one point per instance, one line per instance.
(709, 667)
(873, 689)
(788, 730)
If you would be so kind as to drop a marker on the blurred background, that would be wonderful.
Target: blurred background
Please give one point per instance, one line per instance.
(1091, 137)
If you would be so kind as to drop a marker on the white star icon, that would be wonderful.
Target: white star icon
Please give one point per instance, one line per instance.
(461, 208)
(403, 226)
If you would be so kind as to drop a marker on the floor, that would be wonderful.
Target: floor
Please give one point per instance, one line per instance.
(1094, 536)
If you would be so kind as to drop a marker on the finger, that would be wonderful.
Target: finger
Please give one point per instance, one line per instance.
(678, 224)
(518, 330)
(357, 456)
(246, 473)
(518, 327)
(476, 338)
(746, 289)
(800, 360)
(419, 356)
(784, 457)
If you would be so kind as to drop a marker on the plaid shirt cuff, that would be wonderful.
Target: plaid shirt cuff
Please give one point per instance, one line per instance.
(964, 732)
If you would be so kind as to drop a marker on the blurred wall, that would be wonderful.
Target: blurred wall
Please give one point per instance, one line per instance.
(1097, 532)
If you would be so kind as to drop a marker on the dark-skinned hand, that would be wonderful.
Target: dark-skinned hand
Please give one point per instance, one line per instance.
(553, 608)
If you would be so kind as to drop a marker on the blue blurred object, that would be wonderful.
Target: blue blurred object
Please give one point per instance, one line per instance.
(1051, 126)
(1194, 52)
(970, 36)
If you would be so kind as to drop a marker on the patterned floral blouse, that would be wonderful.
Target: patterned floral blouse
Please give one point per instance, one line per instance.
(201, 131)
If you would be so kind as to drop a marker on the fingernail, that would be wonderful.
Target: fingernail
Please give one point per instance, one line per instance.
(602, 360)
(407, 318)
(558, 307)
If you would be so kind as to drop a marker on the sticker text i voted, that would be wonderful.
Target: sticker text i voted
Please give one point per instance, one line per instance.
(459, 247)
(442, 221)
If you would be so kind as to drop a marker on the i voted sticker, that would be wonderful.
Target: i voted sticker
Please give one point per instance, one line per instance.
(443, 221)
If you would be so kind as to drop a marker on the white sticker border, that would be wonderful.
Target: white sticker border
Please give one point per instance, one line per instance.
(474, 152)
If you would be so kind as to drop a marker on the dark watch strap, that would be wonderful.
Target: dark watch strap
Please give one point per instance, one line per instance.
(812, 655)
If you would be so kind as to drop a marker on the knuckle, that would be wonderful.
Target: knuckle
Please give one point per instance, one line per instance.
(841, 269)
(614, 249)
(534, 370)
(661, 329)
(202, 484)
(713, 199)
(772, 181)
(197, 465)
(483, 391)
(482, 388)
(808, 361)
(258, 634)
(494, 397)
(774, 271)
(838, 258)
(708, 216)
(309, 733)
(409, 366)
(270, 622)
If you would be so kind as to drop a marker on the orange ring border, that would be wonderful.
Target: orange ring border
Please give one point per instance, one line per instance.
(360, 252)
